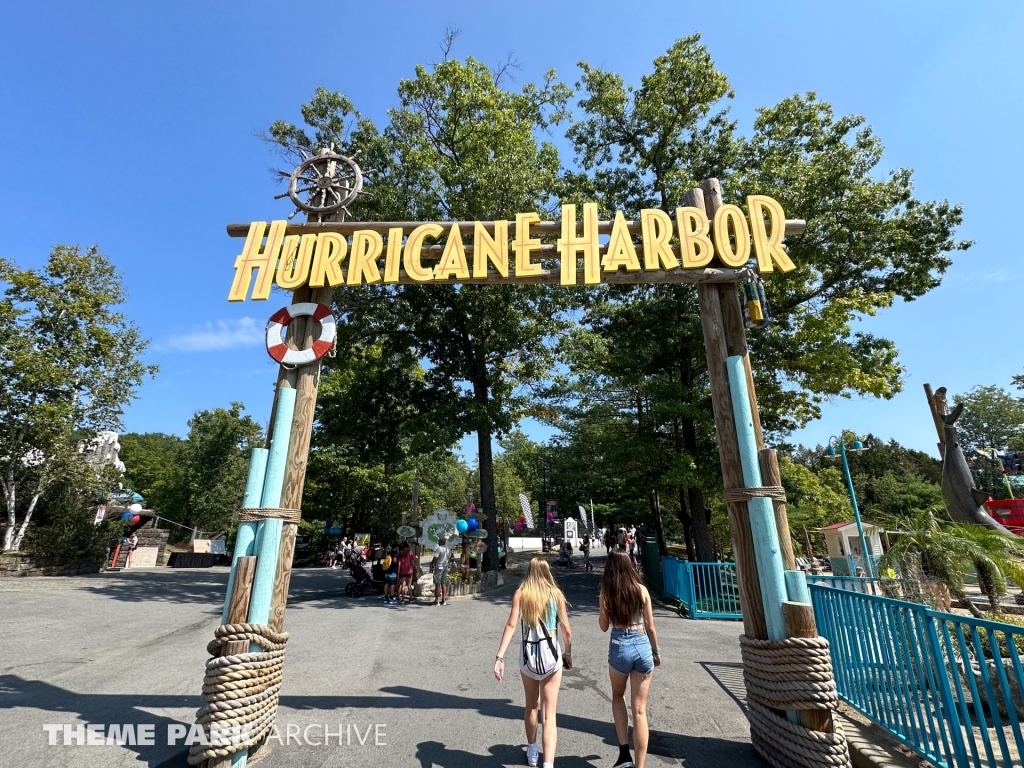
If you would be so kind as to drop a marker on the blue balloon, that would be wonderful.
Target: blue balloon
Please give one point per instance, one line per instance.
(473, 523)
(461, 526)
(126, 516)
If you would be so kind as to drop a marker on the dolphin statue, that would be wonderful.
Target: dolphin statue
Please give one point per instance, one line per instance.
(964, 502)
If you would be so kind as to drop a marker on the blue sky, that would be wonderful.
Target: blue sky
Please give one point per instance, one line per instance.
(131, 125)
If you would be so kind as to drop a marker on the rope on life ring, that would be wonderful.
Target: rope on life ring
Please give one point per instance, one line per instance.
(280, 320)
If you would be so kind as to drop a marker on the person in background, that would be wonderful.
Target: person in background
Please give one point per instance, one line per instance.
(439, 567)
(585, 548)
(390, 566)
(539, 610)
(405, 569)
(625, 608)
(133, 544)
(332, 554)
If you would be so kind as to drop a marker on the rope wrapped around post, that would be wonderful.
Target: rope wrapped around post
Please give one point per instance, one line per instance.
(251, 514)
(791, 674)
(774, 492)
(240, 691)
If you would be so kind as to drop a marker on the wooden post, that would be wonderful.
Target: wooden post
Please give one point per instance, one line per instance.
(770, 475)
(732, 474)
(243, 570)
(238, 605)
(800, 623)
(305, 381)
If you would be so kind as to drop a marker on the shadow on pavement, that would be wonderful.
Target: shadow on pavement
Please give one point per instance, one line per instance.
(729, 676)
(17, 692)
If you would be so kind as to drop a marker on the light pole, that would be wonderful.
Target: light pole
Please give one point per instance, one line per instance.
(858, 446)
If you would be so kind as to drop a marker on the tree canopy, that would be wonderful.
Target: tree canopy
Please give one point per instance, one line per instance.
(69, 363)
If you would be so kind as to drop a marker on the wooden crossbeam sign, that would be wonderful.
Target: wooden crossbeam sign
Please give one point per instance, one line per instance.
(685, 248)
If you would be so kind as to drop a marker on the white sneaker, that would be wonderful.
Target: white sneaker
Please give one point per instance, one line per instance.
(532, 755)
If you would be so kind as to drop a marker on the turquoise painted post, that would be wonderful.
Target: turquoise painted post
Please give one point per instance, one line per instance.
(268, 532)
(796, 587)
(767, 551)
(246, 534)
(278, 459)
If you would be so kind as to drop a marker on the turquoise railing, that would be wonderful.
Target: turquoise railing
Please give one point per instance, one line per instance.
(950, 687)
(850, 583)
(708, 590)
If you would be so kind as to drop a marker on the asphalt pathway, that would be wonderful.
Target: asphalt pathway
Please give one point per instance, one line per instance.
(405, 685)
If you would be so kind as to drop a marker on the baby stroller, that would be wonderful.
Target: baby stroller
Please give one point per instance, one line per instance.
(565, 556)
(363, 581)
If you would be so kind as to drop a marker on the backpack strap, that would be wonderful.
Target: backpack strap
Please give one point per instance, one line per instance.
(547, 636)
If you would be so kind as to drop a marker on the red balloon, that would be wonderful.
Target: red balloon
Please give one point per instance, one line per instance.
(135, 519)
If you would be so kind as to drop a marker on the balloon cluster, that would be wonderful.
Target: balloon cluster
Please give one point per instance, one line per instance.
(469, 523)
(521, 524)
(129, 516)
(551, 519)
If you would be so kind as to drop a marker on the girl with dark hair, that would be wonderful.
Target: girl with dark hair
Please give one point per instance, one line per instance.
(625, 607)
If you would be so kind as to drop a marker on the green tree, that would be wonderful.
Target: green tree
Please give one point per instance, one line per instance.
(69, 363)
(206, 486)
(868, 242)
(459, 146)
(992, 418)
(149, 459)
(813, 501)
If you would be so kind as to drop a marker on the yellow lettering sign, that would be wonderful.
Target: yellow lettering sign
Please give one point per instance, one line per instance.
(524, 244)
(695, 248)
(570, 243)
(331, 249)
(768, 247)
(367, 246)
(656, 229)
(487, 249)
(733, 252)
(413, 250)
(316, 258)
(621, 252)
(453, 260)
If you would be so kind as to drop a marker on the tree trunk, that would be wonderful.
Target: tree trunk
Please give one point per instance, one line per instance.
(987, 583)
(28, 518)
(9, 496)
(487, 502)
(701, 530)
(659, 527)
(687, 521)
(701, 534)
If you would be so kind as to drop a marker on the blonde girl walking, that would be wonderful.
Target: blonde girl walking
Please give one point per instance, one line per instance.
(538, 612)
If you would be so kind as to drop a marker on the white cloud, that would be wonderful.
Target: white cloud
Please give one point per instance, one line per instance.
(216, 335)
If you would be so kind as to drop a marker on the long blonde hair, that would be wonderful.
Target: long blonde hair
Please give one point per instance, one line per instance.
(536, 593)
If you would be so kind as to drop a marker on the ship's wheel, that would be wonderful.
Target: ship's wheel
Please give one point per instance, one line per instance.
(324, 184)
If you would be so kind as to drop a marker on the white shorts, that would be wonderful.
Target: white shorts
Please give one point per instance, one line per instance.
(534, 676)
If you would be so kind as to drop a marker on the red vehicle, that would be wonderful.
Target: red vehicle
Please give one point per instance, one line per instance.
(1009, 513)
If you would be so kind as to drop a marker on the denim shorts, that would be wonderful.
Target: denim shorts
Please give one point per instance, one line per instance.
(630, 651)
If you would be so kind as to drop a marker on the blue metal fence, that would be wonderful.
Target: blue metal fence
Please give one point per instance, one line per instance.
(708, 590)
(948, 686)
(850, 583)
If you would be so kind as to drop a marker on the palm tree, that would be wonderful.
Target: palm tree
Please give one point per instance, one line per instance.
(995, 557)
(926, 548)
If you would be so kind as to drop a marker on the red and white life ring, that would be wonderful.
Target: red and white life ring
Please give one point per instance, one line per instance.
(280, 351)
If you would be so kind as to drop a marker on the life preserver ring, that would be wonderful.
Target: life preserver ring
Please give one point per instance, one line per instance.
(280, 351)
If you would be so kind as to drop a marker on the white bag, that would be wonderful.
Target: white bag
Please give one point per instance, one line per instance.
(540, 651)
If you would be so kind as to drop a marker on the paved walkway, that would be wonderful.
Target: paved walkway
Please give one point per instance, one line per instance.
(129, 648)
